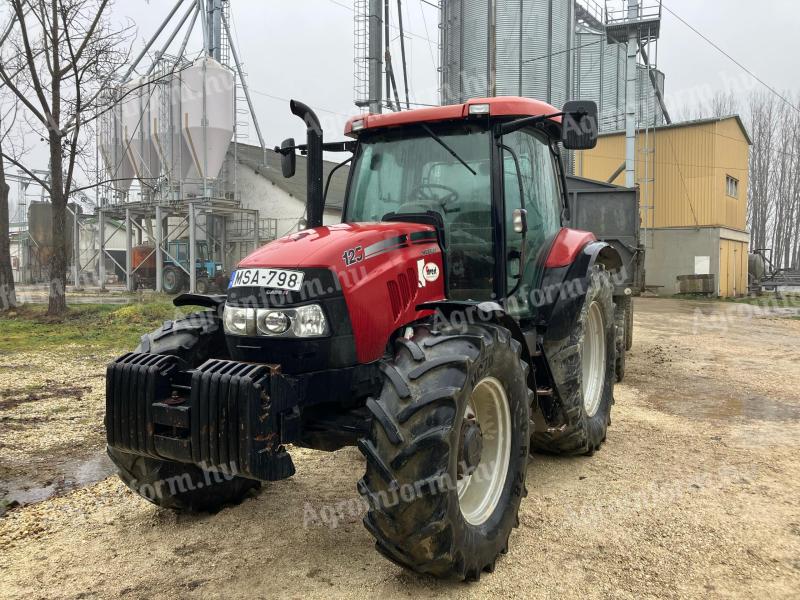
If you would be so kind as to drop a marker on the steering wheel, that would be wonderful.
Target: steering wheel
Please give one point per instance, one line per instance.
(424, 192)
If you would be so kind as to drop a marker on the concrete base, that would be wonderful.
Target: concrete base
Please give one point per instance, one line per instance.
(716, 251)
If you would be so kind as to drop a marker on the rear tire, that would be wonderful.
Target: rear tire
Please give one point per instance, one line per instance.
(182, 486)
(172, 280)
(424, 512)
(202, 285)
(587, 418)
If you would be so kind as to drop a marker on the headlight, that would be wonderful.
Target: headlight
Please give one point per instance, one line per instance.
(303, 322)
(309, 321)
(238, 320)
(272, 322)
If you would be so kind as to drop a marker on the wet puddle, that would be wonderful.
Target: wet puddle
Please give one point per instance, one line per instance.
(72, 474)
(755, 408)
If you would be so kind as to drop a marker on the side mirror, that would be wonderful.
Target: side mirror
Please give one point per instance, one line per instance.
(579, 127)
(288, 158)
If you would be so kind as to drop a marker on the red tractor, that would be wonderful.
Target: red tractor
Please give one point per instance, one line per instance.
(448, 326)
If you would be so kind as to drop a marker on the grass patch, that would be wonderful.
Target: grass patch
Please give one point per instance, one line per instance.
(96, 326)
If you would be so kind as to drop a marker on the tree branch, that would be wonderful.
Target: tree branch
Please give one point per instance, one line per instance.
(28, 172)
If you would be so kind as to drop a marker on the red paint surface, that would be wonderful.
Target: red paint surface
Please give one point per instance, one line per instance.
(365, 284)
(513, 106)
(567, 245)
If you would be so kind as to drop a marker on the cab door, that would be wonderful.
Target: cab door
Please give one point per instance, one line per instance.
(530, 183)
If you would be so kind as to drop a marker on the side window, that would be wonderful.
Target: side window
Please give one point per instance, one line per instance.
(541, 198)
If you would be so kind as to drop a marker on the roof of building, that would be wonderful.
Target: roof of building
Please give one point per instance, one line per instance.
(252, 156)
(500, 106)
(693, 123)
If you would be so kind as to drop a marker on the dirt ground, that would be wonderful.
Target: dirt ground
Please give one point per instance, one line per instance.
(695, 492)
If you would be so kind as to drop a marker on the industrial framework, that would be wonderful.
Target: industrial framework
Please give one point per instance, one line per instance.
(164, 146)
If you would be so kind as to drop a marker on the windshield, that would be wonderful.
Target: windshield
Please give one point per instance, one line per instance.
(411, 171)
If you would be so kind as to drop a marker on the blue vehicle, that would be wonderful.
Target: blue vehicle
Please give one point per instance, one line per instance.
(210, 275)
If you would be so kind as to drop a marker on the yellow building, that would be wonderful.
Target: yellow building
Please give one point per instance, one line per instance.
(693, 183)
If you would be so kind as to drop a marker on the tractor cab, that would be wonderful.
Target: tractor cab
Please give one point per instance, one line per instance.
(489, 171)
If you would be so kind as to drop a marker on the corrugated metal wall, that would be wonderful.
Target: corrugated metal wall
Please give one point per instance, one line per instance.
(600, 70)
(691, 164)
(533, 49)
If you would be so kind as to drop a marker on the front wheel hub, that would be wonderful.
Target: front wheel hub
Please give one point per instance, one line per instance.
(486, 446)
(471, 447)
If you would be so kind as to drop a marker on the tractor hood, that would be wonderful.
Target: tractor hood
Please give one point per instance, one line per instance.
(381, 273)
(327, 247)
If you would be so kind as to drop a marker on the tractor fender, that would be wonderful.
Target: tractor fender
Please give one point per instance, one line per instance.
(458, 313)
(564, 288)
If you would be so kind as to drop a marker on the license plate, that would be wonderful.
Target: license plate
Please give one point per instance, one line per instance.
(278, 279)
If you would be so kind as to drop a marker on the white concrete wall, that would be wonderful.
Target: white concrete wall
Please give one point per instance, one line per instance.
(258, 192)
(673, 253)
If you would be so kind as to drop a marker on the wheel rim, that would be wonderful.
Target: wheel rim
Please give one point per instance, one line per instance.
(479, 492)
(593, 360)
(169, 280)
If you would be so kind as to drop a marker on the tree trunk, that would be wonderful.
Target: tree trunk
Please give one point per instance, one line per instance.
(8, 294)
(57, 302)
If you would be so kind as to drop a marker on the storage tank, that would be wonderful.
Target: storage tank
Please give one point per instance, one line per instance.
(600, 70)
(207, 89)
(131, 118)
(531, 48)
(151, 98)
(118, 168)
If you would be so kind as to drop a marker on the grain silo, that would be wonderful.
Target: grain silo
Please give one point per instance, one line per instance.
(505, 47)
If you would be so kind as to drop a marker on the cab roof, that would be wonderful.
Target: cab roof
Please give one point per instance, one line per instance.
(503, 106)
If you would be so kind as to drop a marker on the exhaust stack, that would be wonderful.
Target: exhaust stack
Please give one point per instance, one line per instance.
(315, 199)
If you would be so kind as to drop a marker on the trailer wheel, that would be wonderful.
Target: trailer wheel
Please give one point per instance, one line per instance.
(629, 326)
(622, 314)
(173, 485)
(447, 454)
(583, 366)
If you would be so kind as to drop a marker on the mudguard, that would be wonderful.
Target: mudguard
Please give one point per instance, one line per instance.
(563, 288)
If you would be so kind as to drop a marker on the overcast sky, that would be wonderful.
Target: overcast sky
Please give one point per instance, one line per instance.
(304, 49)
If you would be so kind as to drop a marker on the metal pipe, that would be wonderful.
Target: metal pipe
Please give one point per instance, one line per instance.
(403, 51)
(630, 110)
(159, 249)
(192, 249)
(76, 248)
(375, 56)
(244, 83)
(101, 258)
(256, 237)
(128, 251)
(203, 21)
(182, 49)
(152, 41)
(216, 30)
(172, 36)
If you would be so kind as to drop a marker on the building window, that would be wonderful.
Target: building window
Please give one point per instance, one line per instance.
(732, 187)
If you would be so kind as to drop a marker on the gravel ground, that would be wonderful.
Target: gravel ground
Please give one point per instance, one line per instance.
(695, 492)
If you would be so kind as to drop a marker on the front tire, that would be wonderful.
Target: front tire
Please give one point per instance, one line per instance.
(583, 366)
(447, 453)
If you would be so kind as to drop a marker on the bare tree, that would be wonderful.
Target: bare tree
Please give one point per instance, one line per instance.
(62, 56)
(8, 294)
